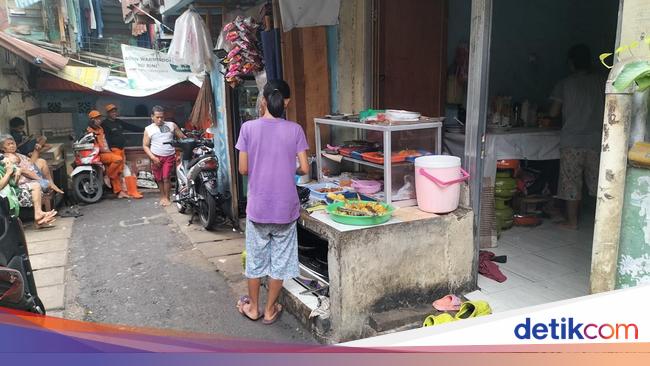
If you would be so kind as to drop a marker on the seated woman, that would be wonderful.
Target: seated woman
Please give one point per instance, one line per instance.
(24, 195)
(31, 171)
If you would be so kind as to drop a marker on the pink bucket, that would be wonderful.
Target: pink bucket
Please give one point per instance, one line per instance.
(437, 182)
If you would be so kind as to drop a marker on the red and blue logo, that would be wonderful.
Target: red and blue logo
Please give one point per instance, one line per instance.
(568, 328)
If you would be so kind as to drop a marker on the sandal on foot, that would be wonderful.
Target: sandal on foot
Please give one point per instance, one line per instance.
(278, 312)
(240, 307)
(48, 225)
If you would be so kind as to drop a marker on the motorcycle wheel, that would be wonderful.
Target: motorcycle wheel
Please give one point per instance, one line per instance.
(207, 209)
(179, 206)
(85, 190)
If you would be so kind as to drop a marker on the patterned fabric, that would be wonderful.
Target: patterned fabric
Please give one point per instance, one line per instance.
(578, 166)
(271, 250)
(25, 196)
(25, 164)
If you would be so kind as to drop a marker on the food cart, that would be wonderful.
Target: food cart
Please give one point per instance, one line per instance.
(351, 274)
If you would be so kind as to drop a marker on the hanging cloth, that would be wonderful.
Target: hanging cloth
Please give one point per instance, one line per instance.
(308, 13)
(202, 115)
(93, 23)
(72, 15)
(99, 21)
(272, 57)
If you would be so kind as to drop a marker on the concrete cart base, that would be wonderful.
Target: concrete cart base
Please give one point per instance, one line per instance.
(407, 263)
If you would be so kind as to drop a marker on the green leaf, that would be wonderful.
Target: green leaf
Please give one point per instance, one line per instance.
(603, 57)
(629, 73)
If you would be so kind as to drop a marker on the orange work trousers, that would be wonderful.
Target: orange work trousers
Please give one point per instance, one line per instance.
(114, 162)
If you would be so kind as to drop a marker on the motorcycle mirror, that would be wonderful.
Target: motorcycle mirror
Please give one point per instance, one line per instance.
(11, 286)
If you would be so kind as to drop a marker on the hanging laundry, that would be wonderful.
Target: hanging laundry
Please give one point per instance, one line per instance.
(83, 28)
(93, 23)
(99, 21)
(73, 14)
(128, 11)
(22, 4)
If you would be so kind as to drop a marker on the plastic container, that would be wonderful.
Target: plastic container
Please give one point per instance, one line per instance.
(358, 220)
(378, 157)
(322, 195)
(411, 157)
(366, 186)
(437, 183)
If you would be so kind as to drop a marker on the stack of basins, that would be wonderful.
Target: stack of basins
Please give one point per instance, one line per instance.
(505, 188)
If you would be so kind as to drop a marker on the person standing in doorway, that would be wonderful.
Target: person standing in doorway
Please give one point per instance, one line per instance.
(163, 155)
(114, 129)
(580, 100)
(114, 163)
(268, 147)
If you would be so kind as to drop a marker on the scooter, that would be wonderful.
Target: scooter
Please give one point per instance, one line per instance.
(196, 188)
(17, 286)
(88, 170)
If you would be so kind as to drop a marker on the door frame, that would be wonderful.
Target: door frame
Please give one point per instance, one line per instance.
(477, 104)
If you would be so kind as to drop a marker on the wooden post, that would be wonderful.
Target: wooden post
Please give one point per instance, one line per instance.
(305, 68)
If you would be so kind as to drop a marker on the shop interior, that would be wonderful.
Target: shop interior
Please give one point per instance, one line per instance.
(528, 56)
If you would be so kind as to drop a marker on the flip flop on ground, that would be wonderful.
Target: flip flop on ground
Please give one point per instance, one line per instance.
(240, 307)
(275, 317)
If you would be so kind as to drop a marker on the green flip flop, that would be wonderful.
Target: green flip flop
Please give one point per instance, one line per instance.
(473, 309)
(432, 320)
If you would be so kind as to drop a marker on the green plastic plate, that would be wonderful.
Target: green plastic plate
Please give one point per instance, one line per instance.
(358, 220)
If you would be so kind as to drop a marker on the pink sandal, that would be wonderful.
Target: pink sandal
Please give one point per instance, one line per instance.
(447, 303)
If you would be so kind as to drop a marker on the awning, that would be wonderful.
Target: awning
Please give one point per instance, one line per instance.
(33, 54)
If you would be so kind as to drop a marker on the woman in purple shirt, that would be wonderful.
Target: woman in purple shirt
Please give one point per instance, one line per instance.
(268, 147)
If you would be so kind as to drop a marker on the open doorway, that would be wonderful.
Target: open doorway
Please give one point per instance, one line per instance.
(528, 58)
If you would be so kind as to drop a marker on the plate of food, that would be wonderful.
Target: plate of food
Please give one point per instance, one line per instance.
(321, 190)
(359, 212)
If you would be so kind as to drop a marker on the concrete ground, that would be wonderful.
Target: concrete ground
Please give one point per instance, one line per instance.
(132, 262)
(48, 254)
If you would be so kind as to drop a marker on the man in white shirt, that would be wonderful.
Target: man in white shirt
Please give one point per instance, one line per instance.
(580, 99)
(162, 155)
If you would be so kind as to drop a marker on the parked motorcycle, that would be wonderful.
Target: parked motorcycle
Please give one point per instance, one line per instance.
(17, 286)
(88, 170)
(196, 180)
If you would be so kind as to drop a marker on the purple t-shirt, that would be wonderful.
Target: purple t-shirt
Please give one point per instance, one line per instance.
(272, 146)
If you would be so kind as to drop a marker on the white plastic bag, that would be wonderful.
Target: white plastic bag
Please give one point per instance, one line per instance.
(191, 44)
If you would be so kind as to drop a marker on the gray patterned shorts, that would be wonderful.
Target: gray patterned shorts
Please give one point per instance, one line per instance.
(271, 250)
(25, 195)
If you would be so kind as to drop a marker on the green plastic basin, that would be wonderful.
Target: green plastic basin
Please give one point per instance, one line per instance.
(358, 220)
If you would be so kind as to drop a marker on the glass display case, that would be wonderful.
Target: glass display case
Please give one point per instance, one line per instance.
(394, 170)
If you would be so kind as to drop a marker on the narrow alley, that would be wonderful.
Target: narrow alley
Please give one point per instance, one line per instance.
(131, 262)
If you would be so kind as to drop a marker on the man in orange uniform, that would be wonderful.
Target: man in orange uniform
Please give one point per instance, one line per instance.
(114, 130)
(114, 163)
